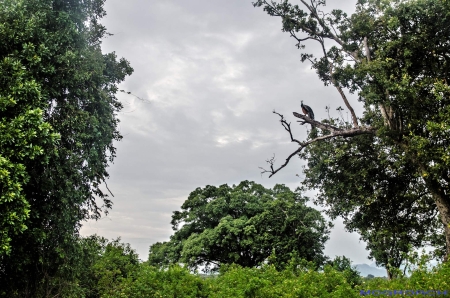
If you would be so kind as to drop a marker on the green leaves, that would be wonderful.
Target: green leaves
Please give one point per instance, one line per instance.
(242, 224)
(110, 269)
(57, 127)
(394, 55)
(24, 135)
(376, 192)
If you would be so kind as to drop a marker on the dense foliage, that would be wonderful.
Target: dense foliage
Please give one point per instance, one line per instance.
(377, 195)
(387, 172)
(114, 273)
(394, 159)
(57, 127)
(96, 269)
(243, 224)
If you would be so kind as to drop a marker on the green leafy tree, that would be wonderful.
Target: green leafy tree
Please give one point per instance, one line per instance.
(393, 54)
(377, 195)
(24, 137)
(149, 281)
(343, 264)
(116, 262)
(162, 254)
(57, 126)
(243, 224)
(94, 269)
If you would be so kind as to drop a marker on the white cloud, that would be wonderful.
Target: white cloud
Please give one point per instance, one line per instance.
(210, 74)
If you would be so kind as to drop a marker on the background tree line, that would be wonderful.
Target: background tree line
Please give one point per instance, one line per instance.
(244, 225)
(112, 269)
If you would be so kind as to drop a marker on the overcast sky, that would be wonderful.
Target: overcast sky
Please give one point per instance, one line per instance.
(211, 73)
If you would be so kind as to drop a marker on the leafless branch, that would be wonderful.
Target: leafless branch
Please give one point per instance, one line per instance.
(349, 107)
(299, 40)
(287, 126)
(334, 133)
(316, 123)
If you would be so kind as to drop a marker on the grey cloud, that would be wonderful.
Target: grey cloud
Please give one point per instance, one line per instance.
(210, 74)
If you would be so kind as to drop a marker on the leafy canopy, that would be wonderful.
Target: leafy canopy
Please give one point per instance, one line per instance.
(57, 126)
(243, 224)
(394, 55)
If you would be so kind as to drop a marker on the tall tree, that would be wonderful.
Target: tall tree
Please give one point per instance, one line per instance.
(58, 123)
(394, 54)
(243, 224)
(376, 194)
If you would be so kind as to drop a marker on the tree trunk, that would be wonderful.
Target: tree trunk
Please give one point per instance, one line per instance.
(389, 274)
(443, 204)
(441, 199)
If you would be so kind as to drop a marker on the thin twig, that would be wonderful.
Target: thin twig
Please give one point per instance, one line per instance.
(287, 127)
(108, 188)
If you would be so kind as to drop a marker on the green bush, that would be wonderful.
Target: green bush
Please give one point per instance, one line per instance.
(422, 278)
(95, 268)
(117, 262)
(268, 282)
(297, 280)
(150, 281)
(112, 270)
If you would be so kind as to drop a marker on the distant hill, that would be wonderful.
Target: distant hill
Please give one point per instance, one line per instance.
(365, 270)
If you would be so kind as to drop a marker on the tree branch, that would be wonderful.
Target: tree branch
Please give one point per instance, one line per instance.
(385, 114)
(108, 188)
(347, 104)
(316, 123)
(344, 98)
(287, 126)
(366, 47)
(299, 40)
(339, 89)
(329, 34)
(335, 132)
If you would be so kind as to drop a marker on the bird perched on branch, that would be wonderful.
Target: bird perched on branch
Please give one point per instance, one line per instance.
(307, 111)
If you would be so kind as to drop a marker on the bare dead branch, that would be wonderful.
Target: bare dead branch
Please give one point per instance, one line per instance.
(270, 161)
(299, 40)
(272, 171)
(347, 104)
(316, 123)
(335, 132)
(287, 127)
